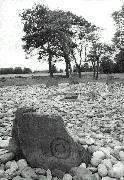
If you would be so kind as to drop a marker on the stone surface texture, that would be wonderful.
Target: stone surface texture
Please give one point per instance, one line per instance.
(44, 141)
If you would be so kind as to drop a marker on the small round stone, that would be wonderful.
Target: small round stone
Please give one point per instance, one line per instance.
(10, 173)
(121, 154)
(8, 165)
(92, 148)
(93, 169)
(111, 173)
(97, 176)
(2, 172)
(83, 165)
(107, 163)
(41, 177)
(95, 161)
(99, 155)
(67, 177)
(102, 170)
(18, 178)
(22, 163)
(40, 171)
(118, 170)
(90, 141)
(14, 166)
(106, 151)
(28, 172)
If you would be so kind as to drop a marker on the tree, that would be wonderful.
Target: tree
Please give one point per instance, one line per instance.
(97, 54)
(118, 39)
(50, 33)
(107, 65)
(46, 31)
(85, 67)
(6, 71)
(54, 69)
(18, 70)
(119, 59)
(82, 40)
(27, 71)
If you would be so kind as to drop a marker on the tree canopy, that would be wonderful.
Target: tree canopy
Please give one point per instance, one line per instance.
(118, 17)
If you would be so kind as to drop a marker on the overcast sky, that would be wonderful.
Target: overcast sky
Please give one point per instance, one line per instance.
(11, 53)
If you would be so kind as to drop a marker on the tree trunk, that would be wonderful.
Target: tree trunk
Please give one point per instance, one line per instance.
(67, 65)
(70, 68)
(67, 69)
(97, 68)
(79, 72)
(50, 65)
(94, 70)
(85, 54)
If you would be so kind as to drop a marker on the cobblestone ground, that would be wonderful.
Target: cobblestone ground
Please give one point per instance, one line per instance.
(94, 118)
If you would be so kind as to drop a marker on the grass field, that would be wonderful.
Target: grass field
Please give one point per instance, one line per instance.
(30, 79)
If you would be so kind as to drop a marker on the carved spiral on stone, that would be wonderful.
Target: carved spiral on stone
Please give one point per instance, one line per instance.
(60, 148)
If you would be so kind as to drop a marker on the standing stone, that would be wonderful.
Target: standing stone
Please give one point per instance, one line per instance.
(44, 141)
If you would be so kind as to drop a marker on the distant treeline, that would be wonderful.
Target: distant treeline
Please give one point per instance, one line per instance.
(16, 70)
(116, 66)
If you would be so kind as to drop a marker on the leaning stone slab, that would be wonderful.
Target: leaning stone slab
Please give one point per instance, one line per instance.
(44, 141)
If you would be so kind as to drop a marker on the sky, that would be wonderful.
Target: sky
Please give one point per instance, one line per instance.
(11, 29)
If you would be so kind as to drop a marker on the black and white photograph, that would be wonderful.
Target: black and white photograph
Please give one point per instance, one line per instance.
(61, 89)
